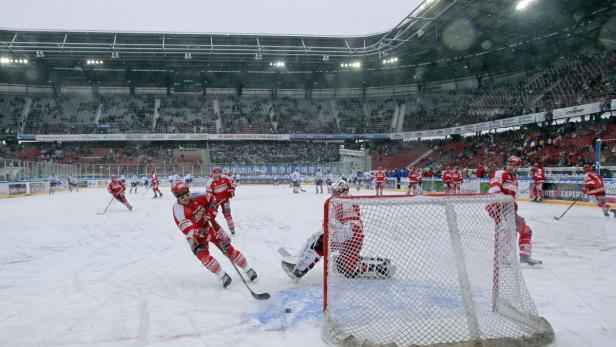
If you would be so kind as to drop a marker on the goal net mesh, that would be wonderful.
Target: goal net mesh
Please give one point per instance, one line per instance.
(426, 271)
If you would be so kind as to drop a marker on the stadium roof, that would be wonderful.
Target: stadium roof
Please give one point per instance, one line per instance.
(441, 39)
(273, 17)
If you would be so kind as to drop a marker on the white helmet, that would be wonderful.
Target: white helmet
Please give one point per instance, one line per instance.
(340, 188)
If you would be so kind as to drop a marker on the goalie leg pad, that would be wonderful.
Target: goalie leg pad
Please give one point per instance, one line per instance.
(368, 267)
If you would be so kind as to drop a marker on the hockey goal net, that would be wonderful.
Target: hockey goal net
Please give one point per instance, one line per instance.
(426, 271)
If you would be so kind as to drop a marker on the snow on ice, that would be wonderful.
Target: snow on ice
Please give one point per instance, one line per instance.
(69, 277)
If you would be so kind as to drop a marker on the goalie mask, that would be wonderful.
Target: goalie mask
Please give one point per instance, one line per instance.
(340, 188)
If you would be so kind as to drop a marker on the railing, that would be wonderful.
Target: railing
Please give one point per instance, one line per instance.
(20, 170)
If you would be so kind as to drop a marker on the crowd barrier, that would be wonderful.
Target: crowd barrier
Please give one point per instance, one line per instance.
(557, 189)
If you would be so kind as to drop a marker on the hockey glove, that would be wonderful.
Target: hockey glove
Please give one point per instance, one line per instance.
(231, 193)
(584, 191)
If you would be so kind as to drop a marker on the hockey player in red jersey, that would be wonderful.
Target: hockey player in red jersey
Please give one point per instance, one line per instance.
(195, 216)
(223, 189)
(116, 188)
(536, 189)
(154, 185)
(344, 250)
(505, 182)
(447, 186)
(379, 179)
(456, 178)
(594, 188)
(414, 182)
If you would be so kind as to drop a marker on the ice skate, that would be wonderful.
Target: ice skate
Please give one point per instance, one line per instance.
(252, 275)
(225, 280)
(530, 262)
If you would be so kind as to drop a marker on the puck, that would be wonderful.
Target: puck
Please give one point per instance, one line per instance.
(287, 310)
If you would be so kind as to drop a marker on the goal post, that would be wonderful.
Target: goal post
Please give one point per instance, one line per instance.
(426, 271)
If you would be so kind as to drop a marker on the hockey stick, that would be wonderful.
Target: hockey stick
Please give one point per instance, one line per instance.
(258, 296)
(105, 211)
(574, 201)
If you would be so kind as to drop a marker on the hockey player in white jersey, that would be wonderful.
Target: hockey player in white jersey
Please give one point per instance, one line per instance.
(134, 183)
(329, 180)
(345, 246)
(295, 181)
(53, 182)
(318, 181)
(188, 179)
(72, 184)
(368, 178)
(354, 178)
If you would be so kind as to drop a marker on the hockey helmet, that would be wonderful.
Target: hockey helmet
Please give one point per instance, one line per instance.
(179, 188)
(587, 167)
(340, 187)
(216, 170)
(514, 160)
(114, 177)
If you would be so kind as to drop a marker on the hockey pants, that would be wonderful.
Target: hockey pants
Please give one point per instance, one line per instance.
(200, 247)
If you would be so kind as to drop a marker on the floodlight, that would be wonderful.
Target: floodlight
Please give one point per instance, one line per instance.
(278, 64)
(522, 4)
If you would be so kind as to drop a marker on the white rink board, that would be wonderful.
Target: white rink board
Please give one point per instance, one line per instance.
(71, 278)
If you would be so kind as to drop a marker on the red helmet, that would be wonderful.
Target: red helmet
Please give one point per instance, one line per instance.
(587, 167)
(514, 160)
(179, 187)
(340, 187)
(216, 170)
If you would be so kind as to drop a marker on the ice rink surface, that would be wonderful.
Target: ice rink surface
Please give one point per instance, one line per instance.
(70, 277)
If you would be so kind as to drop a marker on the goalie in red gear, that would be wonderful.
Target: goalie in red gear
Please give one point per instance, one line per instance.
(223, 189)
(116, 188)
(195, 216)
(595, 189)
(505, 182)
(345, 250)
(154, 184)
(536, 188)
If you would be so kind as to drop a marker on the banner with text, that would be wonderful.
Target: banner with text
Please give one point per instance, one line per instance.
(576, 111)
